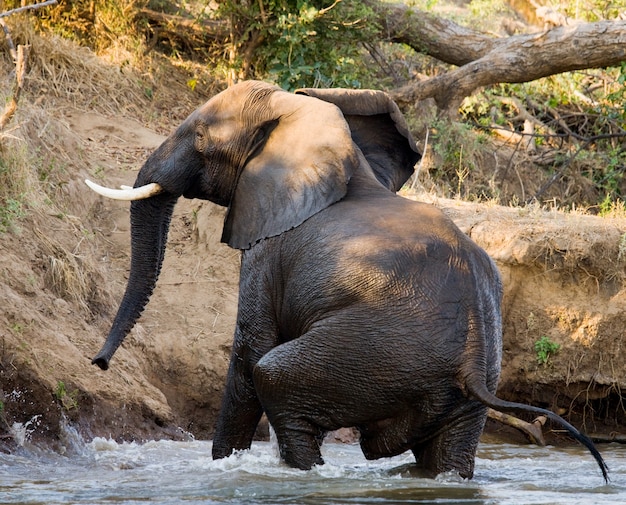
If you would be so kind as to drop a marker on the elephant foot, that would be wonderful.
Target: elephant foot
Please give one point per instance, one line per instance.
(437, 457)
(299, 443)
(454, 448)
(299, 450)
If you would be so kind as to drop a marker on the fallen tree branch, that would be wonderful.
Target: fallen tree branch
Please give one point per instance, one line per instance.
(611, 437)
(531, 430)
(484, 60)
(524, 58)
(429, 34)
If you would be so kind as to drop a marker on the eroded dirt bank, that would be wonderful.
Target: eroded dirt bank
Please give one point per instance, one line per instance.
(563, 276)
(62, 275)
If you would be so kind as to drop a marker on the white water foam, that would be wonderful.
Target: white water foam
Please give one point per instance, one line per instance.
(169, 473)
(21, 432)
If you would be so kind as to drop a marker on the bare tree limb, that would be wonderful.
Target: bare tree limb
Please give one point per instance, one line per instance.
(20, 57)
(429, 34)
(27, 7)
(7, 36)
(485, 60)
(20, 71)
(524, 58)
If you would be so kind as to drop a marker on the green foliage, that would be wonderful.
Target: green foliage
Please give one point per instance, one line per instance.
(459, 150)
(614, 208)
(544, 347)
(299, 43)
(66, 398)
(10, 212)
(578, 118)
(485, 14)
(590, 10)
(294, 42)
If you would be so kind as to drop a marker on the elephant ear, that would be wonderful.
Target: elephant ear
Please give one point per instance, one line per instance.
(303, 166)
(379, 129)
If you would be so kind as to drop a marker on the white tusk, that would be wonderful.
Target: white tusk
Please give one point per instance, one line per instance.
(125, 187)
(126, 193)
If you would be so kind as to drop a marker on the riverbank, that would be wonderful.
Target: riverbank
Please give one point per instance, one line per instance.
(65, 257)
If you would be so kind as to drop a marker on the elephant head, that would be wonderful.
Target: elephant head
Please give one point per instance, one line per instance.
(272, 157)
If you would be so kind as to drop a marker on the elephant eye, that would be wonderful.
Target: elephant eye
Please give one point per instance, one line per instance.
(201, 139)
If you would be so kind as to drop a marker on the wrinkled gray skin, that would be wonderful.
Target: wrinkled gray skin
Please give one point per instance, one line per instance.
(356, 307)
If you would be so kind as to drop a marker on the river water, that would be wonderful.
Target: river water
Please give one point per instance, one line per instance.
(165, 472)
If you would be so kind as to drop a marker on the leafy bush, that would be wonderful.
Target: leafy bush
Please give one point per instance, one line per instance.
(298, 43)
(544, 347)
(578, 123)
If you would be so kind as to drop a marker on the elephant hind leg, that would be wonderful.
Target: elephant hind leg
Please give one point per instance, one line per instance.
(299, 438)
(453, 449)
(298, 443)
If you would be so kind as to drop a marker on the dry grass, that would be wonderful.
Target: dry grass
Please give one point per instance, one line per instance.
(59, 68)
(118, 81)
(39, 155)
(65, 274)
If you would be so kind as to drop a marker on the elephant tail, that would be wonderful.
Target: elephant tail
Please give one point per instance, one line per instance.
(479, 391)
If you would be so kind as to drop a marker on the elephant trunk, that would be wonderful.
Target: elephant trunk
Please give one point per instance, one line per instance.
(150, 220)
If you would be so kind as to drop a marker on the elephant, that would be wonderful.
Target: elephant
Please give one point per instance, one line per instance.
(357, 307)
